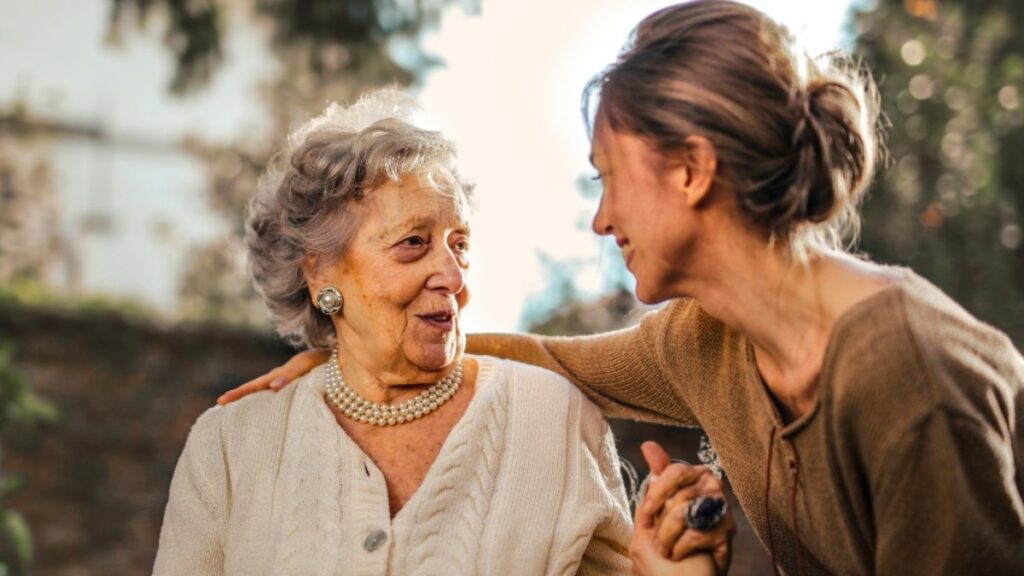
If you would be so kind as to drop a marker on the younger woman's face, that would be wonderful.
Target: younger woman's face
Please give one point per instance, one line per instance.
(643, 207)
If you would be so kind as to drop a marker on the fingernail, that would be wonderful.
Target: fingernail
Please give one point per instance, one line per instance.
(277, 383)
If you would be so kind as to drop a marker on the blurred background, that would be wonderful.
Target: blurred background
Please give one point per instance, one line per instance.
(132, 133)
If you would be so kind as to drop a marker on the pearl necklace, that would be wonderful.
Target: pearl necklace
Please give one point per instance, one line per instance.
(351, 404)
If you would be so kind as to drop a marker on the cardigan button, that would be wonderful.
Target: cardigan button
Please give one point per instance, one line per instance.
(375, 540)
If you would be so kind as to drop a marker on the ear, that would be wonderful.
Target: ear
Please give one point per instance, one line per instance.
(702, 164)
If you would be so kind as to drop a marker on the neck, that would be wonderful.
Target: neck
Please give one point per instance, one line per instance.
(774, 302)
(786, 308)
(386, 382)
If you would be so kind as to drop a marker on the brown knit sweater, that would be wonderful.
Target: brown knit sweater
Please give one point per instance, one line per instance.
(911, 462)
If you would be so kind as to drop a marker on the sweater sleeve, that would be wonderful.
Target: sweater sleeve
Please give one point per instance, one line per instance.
(946, 501)
(623, 372)
(607, 552)
(191, 540)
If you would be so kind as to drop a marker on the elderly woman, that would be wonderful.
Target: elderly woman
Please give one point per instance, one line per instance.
(401, 454)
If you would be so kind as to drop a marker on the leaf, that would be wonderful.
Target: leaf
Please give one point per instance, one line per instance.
(10, 484)
(19, 538)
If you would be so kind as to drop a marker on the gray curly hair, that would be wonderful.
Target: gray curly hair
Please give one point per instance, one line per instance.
(304, 203)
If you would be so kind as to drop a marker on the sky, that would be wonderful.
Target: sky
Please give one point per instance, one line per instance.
(508, 94)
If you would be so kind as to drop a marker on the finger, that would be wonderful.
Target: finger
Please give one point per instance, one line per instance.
(722, 556)
(656, 456)
(703, 487)
(694, 540)
(305, 361)
(681, 499)
(643, 553)
(279, 377)
(297, 366)
(670, 529)
(254, 385)
(696, 564)
(676, 476)
(673, 520)
(647, 560)
(707, 485)
(644, 519)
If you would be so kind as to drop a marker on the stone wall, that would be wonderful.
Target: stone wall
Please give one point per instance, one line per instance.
(128, 392)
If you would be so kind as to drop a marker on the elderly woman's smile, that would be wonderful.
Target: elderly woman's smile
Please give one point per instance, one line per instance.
(403, 278)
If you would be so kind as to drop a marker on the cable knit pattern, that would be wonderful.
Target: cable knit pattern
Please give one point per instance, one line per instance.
(524, 484)
(468, 470)
(309, 531)
(597, 458)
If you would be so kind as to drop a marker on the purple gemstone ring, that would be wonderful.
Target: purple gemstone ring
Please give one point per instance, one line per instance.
(703, 513)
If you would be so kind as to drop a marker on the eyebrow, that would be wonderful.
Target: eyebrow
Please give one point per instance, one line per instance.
(406, 224)
(420, 221)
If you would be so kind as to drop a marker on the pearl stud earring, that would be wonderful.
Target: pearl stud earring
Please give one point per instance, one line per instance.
(329, 300)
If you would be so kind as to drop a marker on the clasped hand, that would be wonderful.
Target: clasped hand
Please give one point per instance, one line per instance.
(662, 542)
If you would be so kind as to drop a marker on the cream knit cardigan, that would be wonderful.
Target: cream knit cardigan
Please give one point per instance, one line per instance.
(527, 482)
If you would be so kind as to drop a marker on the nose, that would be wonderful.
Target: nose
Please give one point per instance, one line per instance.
(602, 225)
(448, 274)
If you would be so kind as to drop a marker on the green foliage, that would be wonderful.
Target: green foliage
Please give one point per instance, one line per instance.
(16, 545)
(22, 412)
(951, 76)
(333, 35)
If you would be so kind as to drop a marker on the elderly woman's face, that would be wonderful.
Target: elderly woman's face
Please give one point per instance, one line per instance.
(403, 279)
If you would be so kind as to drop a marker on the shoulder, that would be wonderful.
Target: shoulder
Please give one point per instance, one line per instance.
(945, 334)
(535, 390)
(684, 320)
(682, 330)
(910, 350)
(527, 381)
(551, 416)
(967, 363)
(255, 422)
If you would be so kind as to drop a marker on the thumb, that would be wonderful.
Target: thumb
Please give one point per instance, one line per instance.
(656, 456)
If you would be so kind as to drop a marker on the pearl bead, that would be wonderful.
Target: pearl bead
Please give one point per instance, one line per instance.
(350, 403)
